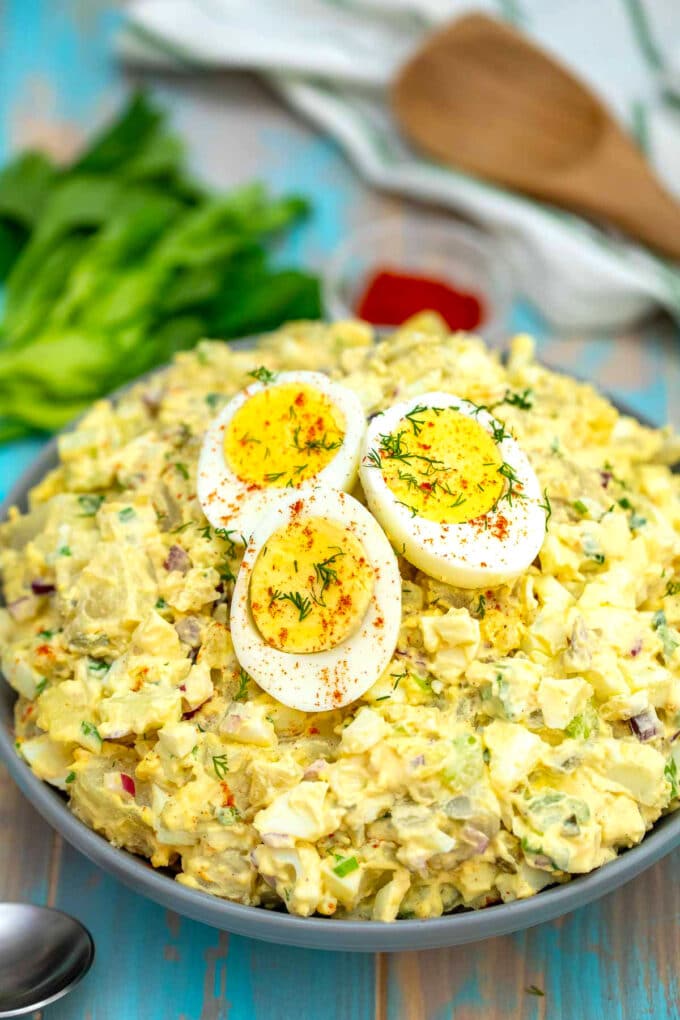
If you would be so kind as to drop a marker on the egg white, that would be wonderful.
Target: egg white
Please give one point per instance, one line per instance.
(228, 501)
(460, 554)
(320, 681)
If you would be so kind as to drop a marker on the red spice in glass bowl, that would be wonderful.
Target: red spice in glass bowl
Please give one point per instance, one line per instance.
(392, 296)
(387, 270)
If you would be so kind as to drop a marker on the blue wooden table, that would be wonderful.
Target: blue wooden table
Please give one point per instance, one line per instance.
(615, 960)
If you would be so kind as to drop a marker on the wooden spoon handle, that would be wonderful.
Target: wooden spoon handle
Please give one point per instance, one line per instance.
(618, 185)
(653, 217)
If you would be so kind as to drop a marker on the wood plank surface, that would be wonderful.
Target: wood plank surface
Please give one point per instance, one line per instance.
(613, 960)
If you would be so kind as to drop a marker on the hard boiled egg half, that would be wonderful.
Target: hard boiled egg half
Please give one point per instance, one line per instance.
(316, 608)
(453, 490)
(284, 430)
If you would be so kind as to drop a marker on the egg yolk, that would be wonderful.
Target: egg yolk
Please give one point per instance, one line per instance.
(283, 435)
(310, 586)
(441, 465)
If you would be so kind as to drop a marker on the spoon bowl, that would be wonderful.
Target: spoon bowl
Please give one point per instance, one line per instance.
(43, 955)
(481, 97)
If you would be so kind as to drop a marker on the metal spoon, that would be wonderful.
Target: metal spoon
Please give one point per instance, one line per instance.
(43, 955)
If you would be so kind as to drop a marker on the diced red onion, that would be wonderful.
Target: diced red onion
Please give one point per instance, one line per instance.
(645, 725)
(152, 401)
(189, 631)
(177, 559)
(232, 723)
(312, 771)
(605, 478)
(117, 732)
(40, 587)
(417, 761)
(637, 647)
(475, 837)
(22, 609)
(128, 784)
(276, 840)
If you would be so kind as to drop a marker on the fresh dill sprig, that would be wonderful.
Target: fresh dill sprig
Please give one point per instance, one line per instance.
(262, 374)
(297, 599)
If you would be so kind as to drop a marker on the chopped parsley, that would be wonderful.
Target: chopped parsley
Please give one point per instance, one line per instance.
(64, 550)
(183, 470)
(161, 604)
(40, 686)
(262, 374)
(126, 514)
(480, 608)
(213, 399)
(70, 777)
(672, 588)
(580, 507)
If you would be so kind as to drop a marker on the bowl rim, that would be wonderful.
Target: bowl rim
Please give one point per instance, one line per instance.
(333, 934)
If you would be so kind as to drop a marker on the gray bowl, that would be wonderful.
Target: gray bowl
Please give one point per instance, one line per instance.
(310, 932)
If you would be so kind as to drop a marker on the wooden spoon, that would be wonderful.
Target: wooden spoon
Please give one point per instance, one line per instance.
(481, 97)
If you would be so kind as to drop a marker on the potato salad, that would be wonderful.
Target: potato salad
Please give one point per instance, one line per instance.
(359, 627)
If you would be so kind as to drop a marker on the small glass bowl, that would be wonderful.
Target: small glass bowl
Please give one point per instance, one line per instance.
(462, 256)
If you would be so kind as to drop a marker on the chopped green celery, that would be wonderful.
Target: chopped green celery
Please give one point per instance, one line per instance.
(346, 867)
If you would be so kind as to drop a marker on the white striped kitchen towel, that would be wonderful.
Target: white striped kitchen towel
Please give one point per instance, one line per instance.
(333, 60)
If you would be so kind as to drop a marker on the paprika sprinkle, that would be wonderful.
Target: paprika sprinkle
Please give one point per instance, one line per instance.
(391, 296)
